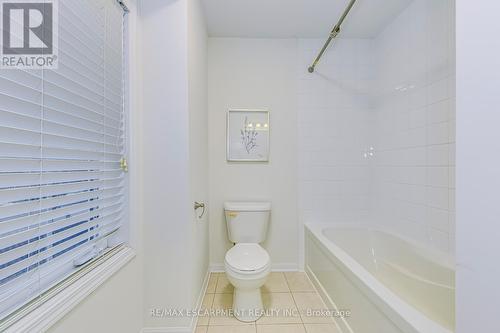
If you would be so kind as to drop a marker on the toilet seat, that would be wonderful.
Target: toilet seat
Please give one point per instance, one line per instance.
(247, 258)
(247, 267)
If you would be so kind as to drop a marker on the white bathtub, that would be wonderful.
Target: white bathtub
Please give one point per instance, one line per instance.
(389, 284)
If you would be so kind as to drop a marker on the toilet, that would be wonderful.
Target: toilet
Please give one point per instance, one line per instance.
(247, 264)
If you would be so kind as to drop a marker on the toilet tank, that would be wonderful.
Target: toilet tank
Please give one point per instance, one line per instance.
(247, 222)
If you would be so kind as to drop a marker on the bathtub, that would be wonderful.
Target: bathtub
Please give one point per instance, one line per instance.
(387, 283)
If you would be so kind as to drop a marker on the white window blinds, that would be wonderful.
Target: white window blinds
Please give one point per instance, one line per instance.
(62, 188)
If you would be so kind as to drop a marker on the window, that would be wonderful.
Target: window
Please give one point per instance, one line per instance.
(62, 144)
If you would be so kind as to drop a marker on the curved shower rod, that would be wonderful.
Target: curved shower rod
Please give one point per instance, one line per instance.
(335, 31)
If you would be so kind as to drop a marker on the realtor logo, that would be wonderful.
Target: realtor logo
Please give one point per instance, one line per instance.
(29, 36)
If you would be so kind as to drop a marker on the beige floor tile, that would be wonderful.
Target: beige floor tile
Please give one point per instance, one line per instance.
(298, 281)
(310, 301)
(222, 305)
(247, 328)
(276, 283)
(212, 283)
(201, 329)
(206, 304)
(321, 328)
(223, 285)
(287, 328)
(280, 309)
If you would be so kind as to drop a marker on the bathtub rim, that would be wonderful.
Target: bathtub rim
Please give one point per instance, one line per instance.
(433, 255)
(378, 293)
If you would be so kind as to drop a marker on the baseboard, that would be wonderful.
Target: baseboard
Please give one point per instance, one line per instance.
(166, 330)
(343, 326)
(192, 326)
(277, 267)
(199, 302)
(285, 267)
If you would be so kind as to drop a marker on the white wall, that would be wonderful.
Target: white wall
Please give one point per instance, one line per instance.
(254, 73)
(174, 157)
(165, 158)
(478, 180)
(198, 142)
(114, 307)
(414, 138)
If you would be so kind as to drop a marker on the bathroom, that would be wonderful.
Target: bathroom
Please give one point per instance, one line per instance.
(249, 166)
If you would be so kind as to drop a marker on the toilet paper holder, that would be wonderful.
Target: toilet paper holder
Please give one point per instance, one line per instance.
(199, 205)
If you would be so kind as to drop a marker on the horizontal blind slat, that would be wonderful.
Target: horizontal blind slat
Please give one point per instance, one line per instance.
(19, 105)
(23, 77)
(18, 223)
(11, 271)
(73, 120)
(18, 90)
(33, 137)
(32, 165)
(23, 179)
(40, 276)
(15, 150)
(17, 253)
(59, 96)
(20, 244)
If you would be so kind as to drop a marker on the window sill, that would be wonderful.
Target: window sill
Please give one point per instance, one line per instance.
(48, 313)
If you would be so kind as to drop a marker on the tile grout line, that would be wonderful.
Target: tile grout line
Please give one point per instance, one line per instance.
(295, 302)
(213, 298)
(315, 292)
(254, 324)
(215, 289)
(286, 281)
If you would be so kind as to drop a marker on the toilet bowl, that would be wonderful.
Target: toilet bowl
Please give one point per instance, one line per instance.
(247, 268)
(247, 263)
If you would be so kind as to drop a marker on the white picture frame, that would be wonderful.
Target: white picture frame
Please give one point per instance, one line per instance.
(247, 135)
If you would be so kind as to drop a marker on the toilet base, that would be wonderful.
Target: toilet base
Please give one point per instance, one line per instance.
(247, 304)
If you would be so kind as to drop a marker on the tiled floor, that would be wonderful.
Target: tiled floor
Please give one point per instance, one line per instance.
(288, 290)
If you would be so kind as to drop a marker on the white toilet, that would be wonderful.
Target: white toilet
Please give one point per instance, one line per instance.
(247, 264)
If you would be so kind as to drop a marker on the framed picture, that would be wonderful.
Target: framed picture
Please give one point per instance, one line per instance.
(247, 135)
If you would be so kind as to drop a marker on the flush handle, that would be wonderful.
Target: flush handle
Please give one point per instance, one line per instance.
(198, 205)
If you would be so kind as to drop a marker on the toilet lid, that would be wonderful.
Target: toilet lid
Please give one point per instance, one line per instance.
(247, 257)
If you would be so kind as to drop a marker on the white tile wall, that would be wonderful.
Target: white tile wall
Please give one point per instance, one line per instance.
(394, 93)
(334, 124)
(413, 181)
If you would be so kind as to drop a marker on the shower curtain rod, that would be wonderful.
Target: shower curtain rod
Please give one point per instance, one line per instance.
(335, 31)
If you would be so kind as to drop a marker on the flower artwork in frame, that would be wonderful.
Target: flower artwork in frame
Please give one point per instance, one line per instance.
(248, 135)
